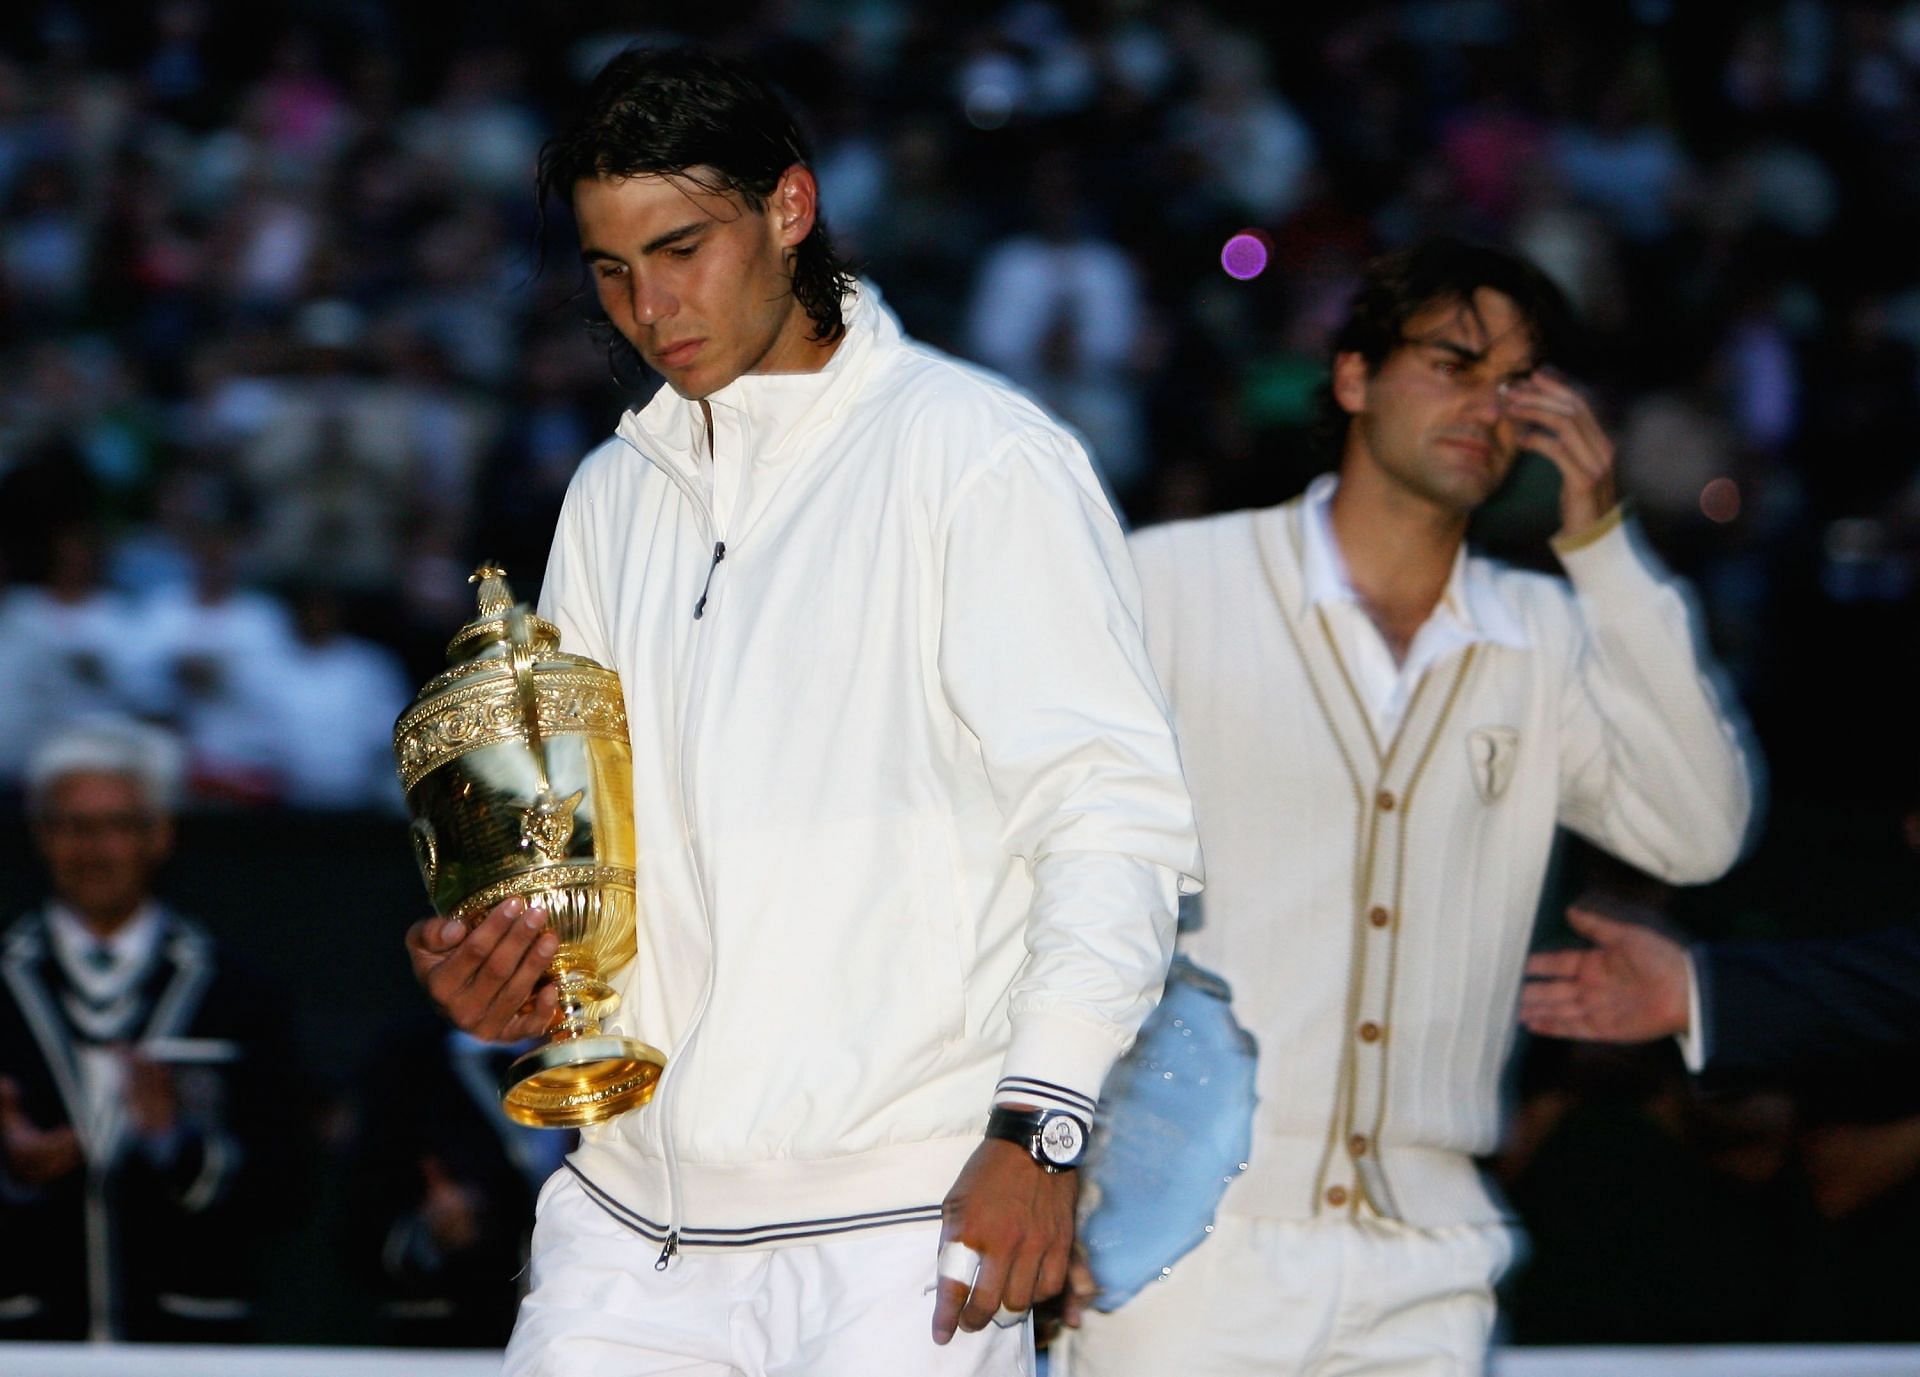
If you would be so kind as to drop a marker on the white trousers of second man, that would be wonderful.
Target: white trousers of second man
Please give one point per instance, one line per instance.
(1308, 1298)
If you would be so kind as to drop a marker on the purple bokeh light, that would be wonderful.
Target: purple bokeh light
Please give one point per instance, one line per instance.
(1245, 255)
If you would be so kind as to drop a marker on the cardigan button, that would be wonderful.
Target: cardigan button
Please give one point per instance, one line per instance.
(1336, 1196)
(1385, 799)
(1379, 916)
(1357, 1145)
(1370, 1031)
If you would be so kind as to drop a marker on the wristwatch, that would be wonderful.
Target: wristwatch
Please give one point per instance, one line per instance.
(1054, 1138)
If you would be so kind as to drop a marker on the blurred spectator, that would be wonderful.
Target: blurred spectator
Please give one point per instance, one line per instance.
(1657, 1216)
(1256, 150)
(296, 106)
(338, 697)
(43, 246)
(461, 273)
(1058, 311)
(147, 1097)
(926, 242)
(440, 1187)
(205, 659)
(69, 640)
(479, 131)
(177, 74)
(1626, 162)
(331, 467)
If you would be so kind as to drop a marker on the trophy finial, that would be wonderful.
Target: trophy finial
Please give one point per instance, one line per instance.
(488, 633)
(495, 597)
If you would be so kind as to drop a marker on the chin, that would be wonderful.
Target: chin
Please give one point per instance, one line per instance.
(691, 387)
(698, 383)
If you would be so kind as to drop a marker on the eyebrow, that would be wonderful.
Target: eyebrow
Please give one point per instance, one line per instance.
(654, 245)
(1465, 353)
(1474, 357)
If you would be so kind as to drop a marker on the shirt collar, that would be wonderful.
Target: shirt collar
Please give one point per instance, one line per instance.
(131, 946)
(1471, 601)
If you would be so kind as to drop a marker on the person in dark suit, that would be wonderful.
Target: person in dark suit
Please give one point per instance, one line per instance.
(1775, 1007)
(146, 1094)
(440, 1187)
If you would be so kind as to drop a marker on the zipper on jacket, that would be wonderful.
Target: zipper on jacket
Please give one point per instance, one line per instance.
(662, 1098)
(719, 553)
(670, 1157)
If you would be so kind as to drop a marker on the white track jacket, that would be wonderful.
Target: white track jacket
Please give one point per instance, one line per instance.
(910, 814)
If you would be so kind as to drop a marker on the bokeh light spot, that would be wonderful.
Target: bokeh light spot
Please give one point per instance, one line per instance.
(1245, 255)
(989, 106)
(1720, 500)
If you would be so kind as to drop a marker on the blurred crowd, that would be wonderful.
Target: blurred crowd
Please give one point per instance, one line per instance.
(288, 351)
(289, 347)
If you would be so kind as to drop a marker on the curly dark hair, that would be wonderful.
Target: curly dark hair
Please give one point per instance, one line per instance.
(1439, 271)
(669, 111)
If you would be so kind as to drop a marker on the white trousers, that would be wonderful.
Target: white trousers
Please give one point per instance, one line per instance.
(1307, 1298)
(847, 1306)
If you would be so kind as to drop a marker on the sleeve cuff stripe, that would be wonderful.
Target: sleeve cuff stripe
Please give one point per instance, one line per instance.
(1060, 1094)
(1569, 542)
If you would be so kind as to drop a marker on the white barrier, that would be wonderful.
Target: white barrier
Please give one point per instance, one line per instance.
(1760, 1360)
(83, 1360)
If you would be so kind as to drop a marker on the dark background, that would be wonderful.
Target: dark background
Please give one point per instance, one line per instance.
(273, 296)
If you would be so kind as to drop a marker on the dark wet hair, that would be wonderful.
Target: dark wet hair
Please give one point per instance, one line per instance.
(668, 111)
(1440, 271)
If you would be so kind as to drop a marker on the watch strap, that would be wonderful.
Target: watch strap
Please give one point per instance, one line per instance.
(1023, 1128)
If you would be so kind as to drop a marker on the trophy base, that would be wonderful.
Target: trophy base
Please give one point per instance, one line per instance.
(580, 1081)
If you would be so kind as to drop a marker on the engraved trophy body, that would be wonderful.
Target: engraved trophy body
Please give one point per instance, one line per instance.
(519, 780)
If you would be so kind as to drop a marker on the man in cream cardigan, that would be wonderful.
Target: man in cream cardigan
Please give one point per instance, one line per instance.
(1381, 733)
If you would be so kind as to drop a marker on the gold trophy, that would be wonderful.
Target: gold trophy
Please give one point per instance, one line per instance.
(519, 778)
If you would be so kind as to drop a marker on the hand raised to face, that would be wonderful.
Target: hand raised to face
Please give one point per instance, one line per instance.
(1556, 421)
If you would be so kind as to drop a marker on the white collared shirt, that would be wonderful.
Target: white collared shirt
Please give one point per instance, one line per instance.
(130, 948)
(108, 1009)
(1469, 611)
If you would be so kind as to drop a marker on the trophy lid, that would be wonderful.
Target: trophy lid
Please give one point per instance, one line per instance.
(486, 636)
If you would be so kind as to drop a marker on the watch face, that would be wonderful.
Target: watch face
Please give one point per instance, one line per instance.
(1062, 1140)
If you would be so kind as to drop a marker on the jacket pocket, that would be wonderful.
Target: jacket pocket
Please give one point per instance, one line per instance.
(950, 939)
(838, 988)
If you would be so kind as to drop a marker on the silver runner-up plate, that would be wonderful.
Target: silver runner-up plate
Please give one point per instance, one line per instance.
(1174, 1129)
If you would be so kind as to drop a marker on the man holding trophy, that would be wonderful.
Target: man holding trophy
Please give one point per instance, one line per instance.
(909, 824)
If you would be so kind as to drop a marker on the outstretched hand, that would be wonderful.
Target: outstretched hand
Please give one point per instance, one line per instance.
(488, 982)
(1629, 986)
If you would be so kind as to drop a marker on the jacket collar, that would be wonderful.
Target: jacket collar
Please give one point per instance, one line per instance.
(181, 965)
(778, 410)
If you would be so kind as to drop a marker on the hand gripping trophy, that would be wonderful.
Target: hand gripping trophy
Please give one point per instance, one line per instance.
(519, 779)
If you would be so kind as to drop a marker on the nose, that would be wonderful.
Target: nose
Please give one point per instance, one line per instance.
(651, 300)
(1487, 403)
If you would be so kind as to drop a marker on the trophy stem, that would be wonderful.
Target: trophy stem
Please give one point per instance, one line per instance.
(582, 999)
(579, 1075)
